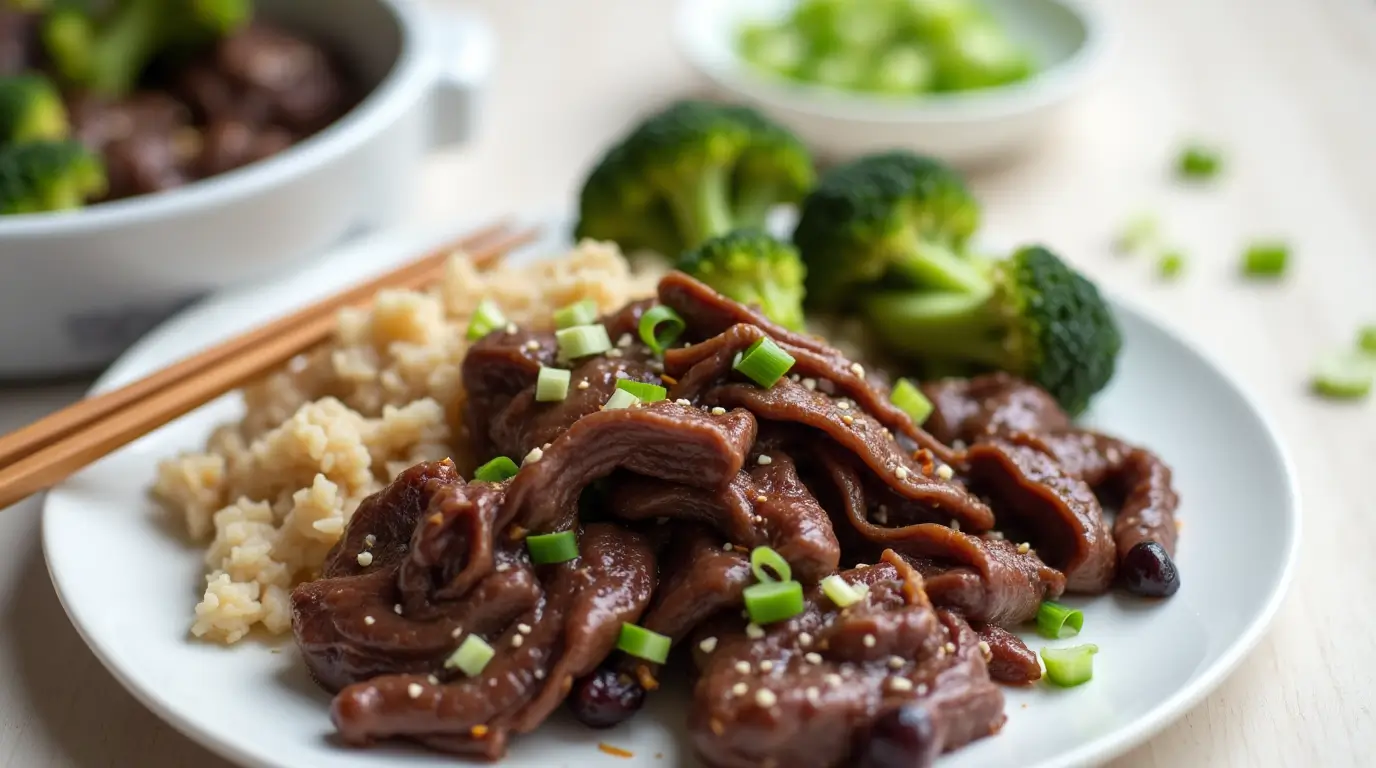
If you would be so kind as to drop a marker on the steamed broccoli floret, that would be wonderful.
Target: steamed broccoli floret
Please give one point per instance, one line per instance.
(893, 216)
(751, 267)
(31, 110)
(48, 176)
(695, 170)
(108, 51)
(1035, 317)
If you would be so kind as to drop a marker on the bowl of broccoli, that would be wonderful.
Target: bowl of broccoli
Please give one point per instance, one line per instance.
(153, 151)
(962, 80)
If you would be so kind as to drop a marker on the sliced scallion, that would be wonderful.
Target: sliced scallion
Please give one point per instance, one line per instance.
(1142, 231)
(1058, 621)
(620, 399)
(660, 327)
(486, 319)
(769, 565)
(771, 601)
(764, 362)
(471, 657)
(1069, 667)
(840, 592)
(1344, 376)
(1266, 259)
(551, 548)
(1171, 264)
(582, 340)
(578, 313)
(552, 385)
(644, 644)
(647, 393)
(1199, 162)
(911, 401)
(497, 470)
(1366, 339)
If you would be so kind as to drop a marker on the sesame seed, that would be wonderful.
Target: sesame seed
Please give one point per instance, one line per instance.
(809, 384)
(848, 419)
(369, 620)
(535, 455)
(832, 678)
(624, 341)
(517, 640)
(532, 345)
(369, 540)
(984, 649)
(740, 689)
(765, 697)
(843, 405)
(432, 679)
(958, 445)
(921, 689)
(718, 411)
(995, 535)
(955, 524)
(868, 641)
(857, 369)
(546, 446)
(814, 696)
(761, 499)
(950, 647)
(896, 662)
(743, 667)
(523, 628)
(583, 384)
(1024, 548)
(511, 328)
(765, 460)
(881, 515)
(945, 472)
(502, 567)
(861, 566)
(902, 473)
(621, 375)
(613, 353)
(397, 609)
(728, 546)
(753, 631)
(708, 645)
(682, 401)
(414, 690)
(804, 639)
(812, 657)
(900, 684)
(458, 631)
(539, 674)
(491, 682)
(365, 559)
(766, 666)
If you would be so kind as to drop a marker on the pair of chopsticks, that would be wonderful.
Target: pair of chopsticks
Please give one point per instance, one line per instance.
(46, 452)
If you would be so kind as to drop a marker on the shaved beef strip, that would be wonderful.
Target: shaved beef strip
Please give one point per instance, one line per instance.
(1010, 660)
(969, 410)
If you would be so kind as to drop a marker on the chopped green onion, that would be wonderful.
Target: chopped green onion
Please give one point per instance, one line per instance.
(552, 385)
(660, 327)
(1199, 162)
(911, 401)
(486, 319)
(644, 644)
(763, 560)
(551, 548)
(1069, 667)
(764, 362)
(1142, 231)
(497, 470)
(1344, 377)
(649, 393)
(1366, 339)
(771, 601)
(471, 656)
(839, 591)
(1171, 264)
(1265, 259)
(620, 399)
(582, 340)
(1058, 621)
(578, 313)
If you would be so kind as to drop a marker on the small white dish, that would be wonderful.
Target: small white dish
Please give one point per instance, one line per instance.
(128, 582)
(1069, 38)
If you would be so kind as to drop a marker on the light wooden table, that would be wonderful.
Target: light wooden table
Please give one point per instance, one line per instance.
(1287, 87)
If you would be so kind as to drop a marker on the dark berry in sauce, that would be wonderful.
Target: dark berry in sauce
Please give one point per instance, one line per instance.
(606, 698)
(901, 738)
(1148, 571)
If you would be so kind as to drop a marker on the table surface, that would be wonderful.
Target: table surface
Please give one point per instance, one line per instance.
(1284, 85)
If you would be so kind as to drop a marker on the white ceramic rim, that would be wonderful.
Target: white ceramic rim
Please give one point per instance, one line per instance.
(1047, 86)
(1099, 750)
(407, 73)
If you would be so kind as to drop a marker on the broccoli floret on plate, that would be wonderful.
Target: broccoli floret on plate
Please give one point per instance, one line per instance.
(750, 267)
(31, 110)
(42, 176)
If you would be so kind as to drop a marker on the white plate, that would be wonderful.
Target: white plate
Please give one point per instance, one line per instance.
(129, 582)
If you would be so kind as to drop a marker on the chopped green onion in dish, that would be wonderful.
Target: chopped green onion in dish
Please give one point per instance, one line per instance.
(1142, 231)
(911, 401)
(771, 601)
(769, 565)
(1056, 621)
(644, 644)
(1366, 339)
(1198, 162)
(471, 657)
(1171, 264)
(1068, 667)
(552, 385)
(578, 313)
(644, 392)
(496, 471)
(764, 362)
(660, 327)
(1265, 259)
(551, 548)
(1344, 376)
(620, 399)
(486, 319)
(840, 592)
(582, 340)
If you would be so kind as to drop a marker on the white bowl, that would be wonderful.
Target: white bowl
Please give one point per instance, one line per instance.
(77, 287)
(1068, 38)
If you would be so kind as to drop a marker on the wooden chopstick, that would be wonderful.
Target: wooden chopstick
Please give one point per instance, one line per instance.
(60, 450)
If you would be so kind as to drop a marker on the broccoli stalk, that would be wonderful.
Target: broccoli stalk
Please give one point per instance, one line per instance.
(1034, 316)
(689, 173)
(42, 176)
(751, 267)
(31, 110)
